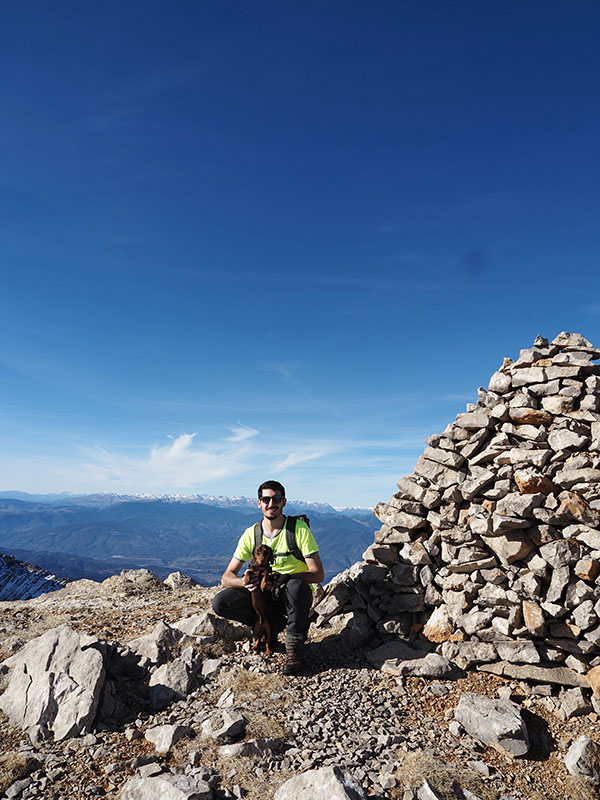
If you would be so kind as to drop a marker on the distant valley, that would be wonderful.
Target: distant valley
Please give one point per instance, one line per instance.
(95, 536)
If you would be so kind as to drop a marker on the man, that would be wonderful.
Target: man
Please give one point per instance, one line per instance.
(294, 576)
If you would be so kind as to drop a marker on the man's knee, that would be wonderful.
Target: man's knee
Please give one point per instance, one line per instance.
(218, 606)
(298, 589)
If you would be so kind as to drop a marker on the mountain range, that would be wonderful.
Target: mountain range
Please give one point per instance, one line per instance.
(95, 536)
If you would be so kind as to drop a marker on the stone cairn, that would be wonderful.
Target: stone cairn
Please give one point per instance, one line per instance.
(490, 551)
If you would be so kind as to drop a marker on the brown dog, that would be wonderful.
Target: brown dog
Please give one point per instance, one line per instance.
(262, 599)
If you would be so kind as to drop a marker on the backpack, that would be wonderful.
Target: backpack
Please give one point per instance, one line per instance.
(290, 536)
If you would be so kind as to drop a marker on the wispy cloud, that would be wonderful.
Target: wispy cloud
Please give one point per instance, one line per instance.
(241, 433)
(343, 468)
(180, 464)
(296, 458)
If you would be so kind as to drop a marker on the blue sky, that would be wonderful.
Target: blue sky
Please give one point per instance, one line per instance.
(243, 240)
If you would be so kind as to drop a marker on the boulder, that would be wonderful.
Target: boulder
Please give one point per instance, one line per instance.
(163, 737)
(224, 724)
(178, 581)
(206, 623)
(55, 684)
(493, 722)
(170, 681)
(160, 645)
(398, 658)
(583, 759)
(327, 783)
(166, 787)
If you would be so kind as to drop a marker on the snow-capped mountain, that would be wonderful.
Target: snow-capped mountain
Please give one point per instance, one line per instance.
(22, 581)
(102, 500)
(94, 536)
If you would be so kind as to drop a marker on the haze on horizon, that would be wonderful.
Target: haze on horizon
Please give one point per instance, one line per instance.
(246, 241)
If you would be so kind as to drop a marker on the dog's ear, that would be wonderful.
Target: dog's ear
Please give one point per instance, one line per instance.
(271, 557)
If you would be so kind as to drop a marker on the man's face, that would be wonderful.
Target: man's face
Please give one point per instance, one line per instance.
(271, 503)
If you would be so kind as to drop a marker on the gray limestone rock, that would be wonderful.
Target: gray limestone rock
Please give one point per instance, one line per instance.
(178, 581)
(500, 383)
(584, 616)
(404, 575)
(583, 759)
(558, 583)
(560, 553)
(400, 502)
(163, 737)
(560, 676)
(170, 681)
(528, 375)
(562, 440)
(415, 553)
(159, 645)
(55, 684)
(518, 652)
(521, 456)
(398, 658)
(477, 478)
(470, 653)
(445, 457)
(441, 476)
(519, 505)
(206, 623)
(474, 621)
(166, 787)
(474, 420)
(573, 703)
(493, 721)
(411, 488)
(569, 477)
(381, 554)
(224, 724)
(394, 518)
(510, 547)
(426, 792)
(567, 341)
(327, 783)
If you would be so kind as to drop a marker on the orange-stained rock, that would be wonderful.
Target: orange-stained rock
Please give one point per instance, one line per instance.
(574, 506)
(439, 626)
(587, 569)
(531, 481)
(533, 617)
(530, 416)
(593, 677)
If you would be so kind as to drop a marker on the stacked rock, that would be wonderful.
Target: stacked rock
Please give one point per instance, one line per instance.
(493, 543)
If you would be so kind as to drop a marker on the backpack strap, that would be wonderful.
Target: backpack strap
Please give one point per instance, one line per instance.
(257, 534)
(290, 536)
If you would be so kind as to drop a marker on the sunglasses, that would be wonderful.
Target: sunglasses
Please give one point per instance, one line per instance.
(277, 498)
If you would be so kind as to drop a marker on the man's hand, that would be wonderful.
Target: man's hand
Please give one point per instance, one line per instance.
(251, 580)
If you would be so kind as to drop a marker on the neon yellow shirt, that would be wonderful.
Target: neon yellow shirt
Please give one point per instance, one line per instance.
(286, 565)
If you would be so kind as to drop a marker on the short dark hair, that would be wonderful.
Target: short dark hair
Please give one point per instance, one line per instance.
(275, 485)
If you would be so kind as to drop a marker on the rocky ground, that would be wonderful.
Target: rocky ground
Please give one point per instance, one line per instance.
(388, 734)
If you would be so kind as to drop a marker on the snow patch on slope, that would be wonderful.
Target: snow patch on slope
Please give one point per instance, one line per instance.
(22, 581)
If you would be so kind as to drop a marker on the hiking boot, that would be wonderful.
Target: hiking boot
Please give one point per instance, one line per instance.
(294, 658)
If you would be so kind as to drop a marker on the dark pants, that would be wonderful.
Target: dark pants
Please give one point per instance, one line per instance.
(291, 608)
